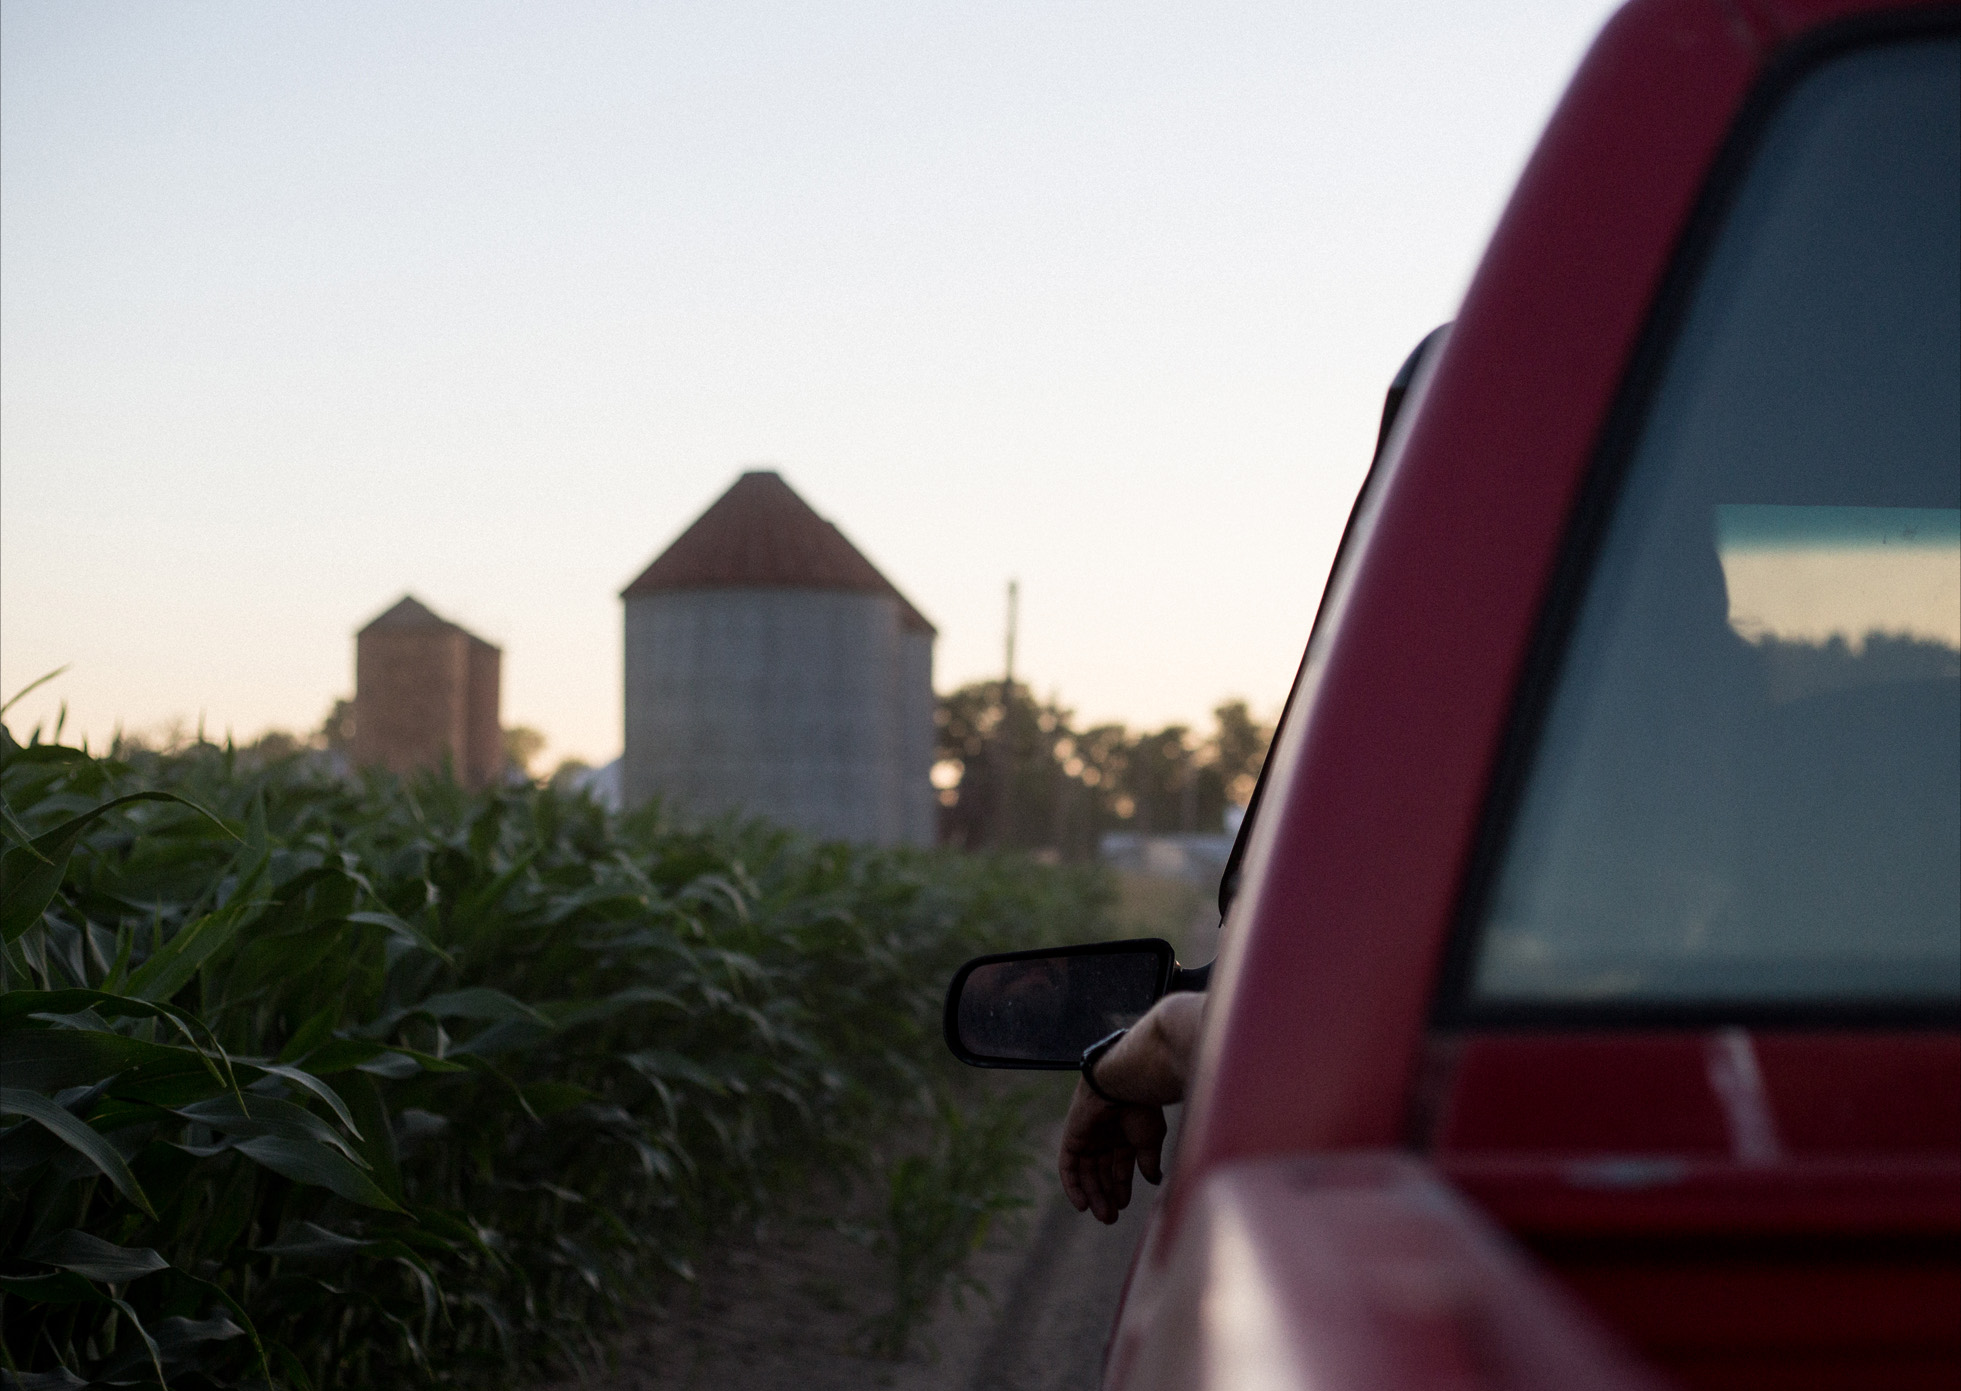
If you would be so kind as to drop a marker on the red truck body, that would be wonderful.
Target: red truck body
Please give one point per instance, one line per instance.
(1373, 1191)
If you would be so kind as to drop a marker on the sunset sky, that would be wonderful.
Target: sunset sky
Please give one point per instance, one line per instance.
(305, 306)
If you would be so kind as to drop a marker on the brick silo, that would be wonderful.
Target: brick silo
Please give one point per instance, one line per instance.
(426, 691)
(771, 670)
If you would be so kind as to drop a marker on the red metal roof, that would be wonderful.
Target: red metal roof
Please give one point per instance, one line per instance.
(761, 535)
(411, 612)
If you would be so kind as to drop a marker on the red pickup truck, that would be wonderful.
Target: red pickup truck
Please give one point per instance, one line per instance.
(1588, 1007)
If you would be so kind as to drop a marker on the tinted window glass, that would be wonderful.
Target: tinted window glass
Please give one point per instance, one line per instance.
(1748, 783)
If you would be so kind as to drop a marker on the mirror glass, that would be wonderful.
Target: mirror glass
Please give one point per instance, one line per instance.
(1049, 1008)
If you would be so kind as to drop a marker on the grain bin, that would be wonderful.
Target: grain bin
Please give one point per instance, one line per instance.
(771, 670)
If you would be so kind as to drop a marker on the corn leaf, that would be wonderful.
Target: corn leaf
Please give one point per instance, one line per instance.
(307, 1162)
(31, 873)
(96, 1259)
(16, 1101)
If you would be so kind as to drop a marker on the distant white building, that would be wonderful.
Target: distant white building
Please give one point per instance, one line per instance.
(772, 670)
(1195, 858)
(602, 784)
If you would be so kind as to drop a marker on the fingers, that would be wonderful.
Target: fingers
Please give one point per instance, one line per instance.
(1106, 1183)
(1101, 1171)
(1103, 1146)
(1074, 1163)
(1072, 1184)
(1146, 1130)
(1111, 1192)
(1118, 1161)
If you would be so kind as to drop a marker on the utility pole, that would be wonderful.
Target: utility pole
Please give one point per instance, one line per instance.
(1014, 610)
(1005, 812)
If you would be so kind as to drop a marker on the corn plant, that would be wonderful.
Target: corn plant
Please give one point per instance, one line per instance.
(321, 1082)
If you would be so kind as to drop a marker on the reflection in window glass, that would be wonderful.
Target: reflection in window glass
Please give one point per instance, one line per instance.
(1834, 597)
(1748, 785)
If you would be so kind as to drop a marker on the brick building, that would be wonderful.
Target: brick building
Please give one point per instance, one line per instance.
(426, 690)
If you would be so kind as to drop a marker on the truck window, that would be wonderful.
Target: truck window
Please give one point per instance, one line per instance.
(1746, 786)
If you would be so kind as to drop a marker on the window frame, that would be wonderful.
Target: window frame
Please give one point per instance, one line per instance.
(1453, 1005)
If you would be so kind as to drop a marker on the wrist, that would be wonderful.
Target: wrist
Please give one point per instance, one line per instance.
(1095, 1054)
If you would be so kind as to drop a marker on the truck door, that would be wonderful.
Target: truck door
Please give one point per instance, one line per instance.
(1697, 1040)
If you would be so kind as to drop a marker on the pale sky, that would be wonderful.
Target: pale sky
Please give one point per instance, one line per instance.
(1816, 595)
(306, 305)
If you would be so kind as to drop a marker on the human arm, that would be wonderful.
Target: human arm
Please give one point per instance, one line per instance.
(1102, 1140)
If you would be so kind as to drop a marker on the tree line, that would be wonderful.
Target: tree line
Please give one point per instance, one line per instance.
(1016, 772)
(1010, 771)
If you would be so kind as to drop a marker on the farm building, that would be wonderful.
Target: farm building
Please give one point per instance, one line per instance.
(772, 670)
(426, 691)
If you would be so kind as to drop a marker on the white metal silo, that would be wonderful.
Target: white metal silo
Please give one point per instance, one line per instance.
(918, 807)
(772, 671)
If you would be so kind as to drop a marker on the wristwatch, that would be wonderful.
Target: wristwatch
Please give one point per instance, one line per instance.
(1093, 1055)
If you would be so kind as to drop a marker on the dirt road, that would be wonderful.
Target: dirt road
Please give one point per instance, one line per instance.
(1058, 1294)
(786, 1310)
(786, 1313)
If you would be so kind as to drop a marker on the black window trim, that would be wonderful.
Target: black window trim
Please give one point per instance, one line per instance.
(1452, 1006)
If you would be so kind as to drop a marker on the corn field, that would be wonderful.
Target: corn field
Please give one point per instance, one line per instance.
(315, 1082)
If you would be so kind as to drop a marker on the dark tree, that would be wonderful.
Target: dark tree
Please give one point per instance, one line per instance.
(1014, 772)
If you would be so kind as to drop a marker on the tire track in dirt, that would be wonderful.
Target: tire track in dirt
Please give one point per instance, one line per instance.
(785, 1311)
(1051, 1327)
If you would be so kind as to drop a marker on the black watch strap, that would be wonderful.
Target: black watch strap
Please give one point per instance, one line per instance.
(1093, 1055)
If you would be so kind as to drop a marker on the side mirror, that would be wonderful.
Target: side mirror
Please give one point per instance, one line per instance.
(1392, 402)
(1041, 1009)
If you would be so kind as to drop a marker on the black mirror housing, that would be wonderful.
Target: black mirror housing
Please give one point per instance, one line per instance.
(1040, 1009)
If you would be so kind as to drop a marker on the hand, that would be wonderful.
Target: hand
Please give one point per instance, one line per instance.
(1101, 1140)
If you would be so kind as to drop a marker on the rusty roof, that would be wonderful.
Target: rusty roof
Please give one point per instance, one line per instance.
(761, 535)
(411, 612)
